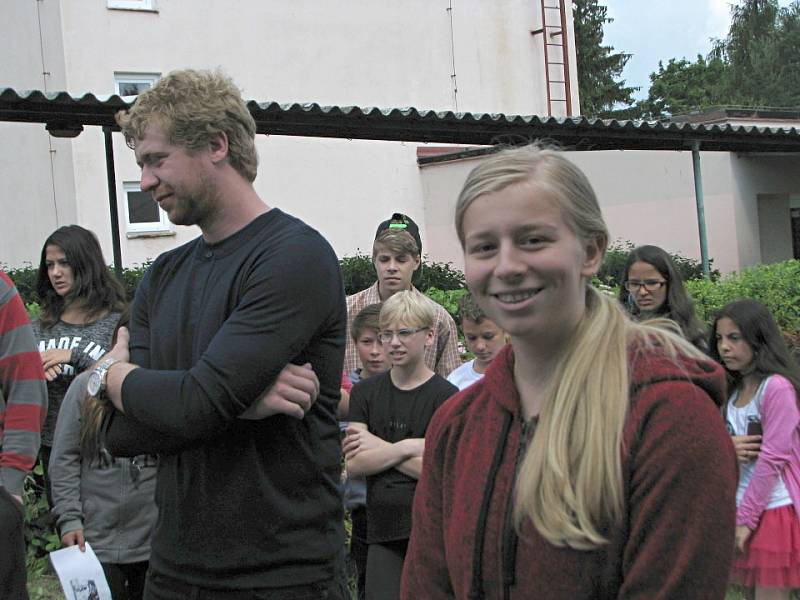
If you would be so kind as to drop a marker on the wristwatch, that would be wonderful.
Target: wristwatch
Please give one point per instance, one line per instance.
(97, 379)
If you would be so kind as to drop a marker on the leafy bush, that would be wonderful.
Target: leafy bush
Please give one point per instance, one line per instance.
(776, 285)
(40, 534)
(131, 277)
(24, 279)
(448, 299)
(34, 310)
(358, 274)
(442, 276)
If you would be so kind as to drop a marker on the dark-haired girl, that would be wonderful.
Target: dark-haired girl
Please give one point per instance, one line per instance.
(653, 287)
(81, 303)
(765, 396)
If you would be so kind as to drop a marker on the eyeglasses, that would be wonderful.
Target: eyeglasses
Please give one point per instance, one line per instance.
(651, 285)
(402, 334)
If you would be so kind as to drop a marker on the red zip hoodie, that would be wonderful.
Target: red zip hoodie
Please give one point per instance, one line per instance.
(679, 471)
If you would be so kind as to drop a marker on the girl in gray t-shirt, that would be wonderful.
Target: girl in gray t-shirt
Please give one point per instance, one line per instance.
(81, 302)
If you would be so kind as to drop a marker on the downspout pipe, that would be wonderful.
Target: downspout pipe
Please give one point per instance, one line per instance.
(701, 211)
(111, 178)
(565, 52)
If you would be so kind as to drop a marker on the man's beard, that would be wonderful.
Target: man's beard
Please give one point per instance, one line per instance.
(198, 206)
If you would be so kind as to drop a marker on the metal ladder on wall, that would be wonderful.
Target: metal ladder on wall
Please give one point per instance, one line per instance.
(556, 57)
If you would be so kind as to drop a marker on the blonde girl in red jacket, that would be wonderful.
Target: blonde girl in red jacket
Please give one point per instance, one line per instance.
(590, 462)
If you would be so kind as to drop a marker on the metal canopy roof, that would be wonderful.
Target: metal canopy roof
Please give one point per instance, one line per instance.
(412, 125)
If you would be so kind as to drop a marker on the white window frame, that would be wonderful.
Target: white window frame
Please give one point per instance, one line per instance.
(161, 227)
(148, 5)
(128, 77)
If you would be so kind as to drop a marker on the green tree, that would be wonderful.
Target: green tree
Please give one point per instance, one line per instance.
(769, 75)
(746, 50)
(599, 67)
(784, 86)
(683, 86)
(756, 64)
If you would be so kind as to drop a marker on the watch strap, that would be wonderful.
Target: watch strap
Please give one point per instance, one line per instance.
(102, 371)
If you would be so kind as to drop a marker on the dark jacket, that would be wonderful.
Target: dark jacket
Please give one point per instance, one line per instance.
(679, 472)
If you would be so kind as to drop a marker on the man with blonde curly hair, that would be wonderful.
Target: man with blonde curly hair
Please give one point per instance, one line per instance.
(218, 377)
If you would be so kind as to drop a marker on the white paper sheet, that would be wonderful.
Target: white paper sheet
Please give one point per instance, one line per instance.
(80, 573)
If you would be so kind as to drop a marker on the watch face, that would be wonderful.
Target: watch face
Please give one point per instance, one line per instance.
(94, 383)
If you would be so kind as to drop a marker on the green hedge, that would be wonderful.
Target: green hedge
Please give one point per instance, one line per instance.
(358, 273)
(25, 280)
(776, 285)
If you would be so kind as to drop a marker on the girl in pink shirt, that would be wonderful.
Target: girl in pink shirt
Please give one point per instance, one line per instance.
(763, 416)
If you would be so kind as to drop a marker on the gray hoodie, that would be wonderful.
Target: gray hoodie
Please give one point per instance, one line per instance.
(113, 504)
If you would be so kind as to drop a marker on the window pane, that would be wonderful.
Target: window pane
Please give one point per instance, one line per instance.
(131, 4)
(142, 208)
(133, 88)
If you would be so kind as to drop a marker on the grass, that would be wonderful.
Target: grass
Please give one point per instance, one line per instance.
(45, 586)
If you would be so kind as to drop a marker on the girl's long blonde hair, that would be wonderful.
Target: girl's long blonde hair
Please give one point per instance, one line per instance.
(570, 483)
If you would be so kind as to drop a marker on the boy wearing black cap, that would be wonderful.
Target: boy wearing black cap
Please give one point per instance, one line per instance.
(396, 255)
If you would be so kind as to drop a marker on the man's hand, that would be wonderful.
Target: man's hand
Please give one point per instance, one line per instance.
(120, 350)
(293, 393)
(747, 447)
(72, 538)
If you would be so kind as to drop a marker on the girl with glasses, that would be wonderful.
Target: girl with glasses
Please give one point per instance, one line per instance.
(652, 287)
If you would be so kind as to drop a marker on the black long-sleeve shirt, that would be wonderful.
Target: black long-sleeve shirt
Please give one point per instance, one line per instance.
(243, 504)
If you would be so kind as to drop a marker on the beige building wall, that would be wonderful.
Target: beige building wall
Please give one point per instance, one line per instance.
(38, 191)
(774, 228)
(465, 55)
(763, 176)
(648, 198)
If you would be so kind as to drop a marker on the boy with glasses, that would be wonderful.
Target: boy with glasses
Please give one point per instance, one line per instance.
(389, 415)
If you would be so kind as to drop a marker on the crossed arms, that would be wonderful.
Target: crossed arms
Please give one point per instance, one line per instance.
(367, 454)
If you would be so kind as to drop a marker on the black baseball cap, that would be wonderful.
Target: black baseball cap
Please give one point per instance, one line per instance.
(401, 222)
